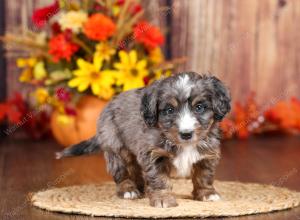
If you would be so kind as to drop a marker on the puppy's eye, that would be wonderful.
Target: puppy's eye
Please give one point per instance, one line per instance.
(168, 110)
(200, 107)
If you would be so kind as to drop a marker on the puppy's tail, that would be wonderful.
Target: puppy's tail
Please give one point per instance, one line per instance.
(85, 147)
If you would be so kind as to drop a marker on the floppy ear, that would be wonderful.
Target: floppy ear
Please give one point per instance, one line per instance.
(149, 104)
(220, 98)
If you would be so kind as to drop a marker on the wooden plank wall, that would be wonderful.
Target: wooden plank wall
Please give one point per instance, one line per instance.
(2, 55)
(253, 45)
(18, 16)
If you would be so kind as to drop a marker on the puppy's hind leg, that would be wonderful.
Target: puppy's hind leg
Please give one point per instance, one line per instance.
(134, 170)
(117, 167)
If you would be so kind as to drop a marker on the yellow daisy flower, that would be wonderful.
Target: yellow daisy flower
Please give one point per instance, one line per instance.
(131, 70)
(39, 71)
(116, 10)
(90, 75)
(57, 104)
(23, 62)
(27, 65)
(160, 73)
(41, 95)
(104, 51)
(26, 75)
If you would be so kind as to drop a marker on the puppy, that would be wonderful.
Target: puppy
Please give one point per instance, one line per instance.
(169, 128)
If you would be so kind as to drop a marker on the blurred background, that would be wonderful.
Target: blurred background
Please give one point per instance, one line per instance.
(62, 61)
(253, 46)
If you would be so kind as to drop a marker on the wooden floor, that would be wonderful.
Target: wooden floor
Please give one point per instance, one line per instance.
(30, 166)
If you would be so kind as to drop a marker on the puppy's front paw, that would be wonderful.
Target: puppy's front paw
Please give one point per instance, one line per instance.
(213, 197)
(206, 195)
(128, 190)
(162, 200)
(132, 195)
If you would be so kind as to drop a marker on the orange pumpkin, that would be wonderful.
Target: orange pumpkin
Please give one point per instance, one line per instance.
(84, 124)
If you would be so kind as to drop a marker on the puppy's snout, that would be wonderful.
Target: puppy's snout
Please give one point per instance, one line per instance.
(186, 135)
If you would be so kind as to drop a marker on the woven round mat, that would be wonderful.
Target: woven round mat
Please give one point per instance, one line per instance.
(100, 200)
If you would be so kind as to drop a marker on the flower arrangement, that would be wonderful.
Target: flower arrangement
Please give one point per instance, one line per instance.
(102, 48)
(89, 47)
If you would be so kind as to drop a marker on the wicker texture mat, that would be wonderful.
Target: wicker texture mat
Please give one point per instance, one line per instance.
(100, 200)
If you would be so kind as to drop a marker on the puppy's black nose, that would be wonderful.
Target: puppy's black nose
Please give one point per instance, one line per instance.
(186, 135)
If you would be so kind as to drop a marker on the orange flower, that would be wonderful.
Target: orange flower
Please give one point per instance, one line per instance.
(99, 27)
(241, 121)
(61, 48)
(285, 114)
(148, 34)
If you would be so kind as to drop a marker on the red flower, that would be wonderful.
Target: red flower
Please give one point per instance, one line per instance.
(99, 27)
(146, 80)
(98, 7)
(148, 34)
(133, 8)
(55, 27)
(13, 109)
(70, 111)
(63, 95)
(68, 34)
(42, 15)
(35, 122)
(4, 108)
(120, 2)
(61, 48)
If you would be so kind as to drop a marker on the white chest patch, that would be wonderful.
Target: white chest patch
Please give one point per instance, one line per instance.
(184, 161)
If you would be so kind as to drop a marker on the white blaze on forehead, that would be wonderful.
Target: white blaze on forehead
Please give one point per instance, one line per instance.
(186, 121)
(184, 85)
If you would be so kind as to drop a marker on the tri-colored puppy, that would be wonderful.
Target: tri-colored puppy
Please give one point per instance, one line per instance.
(169, 128)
